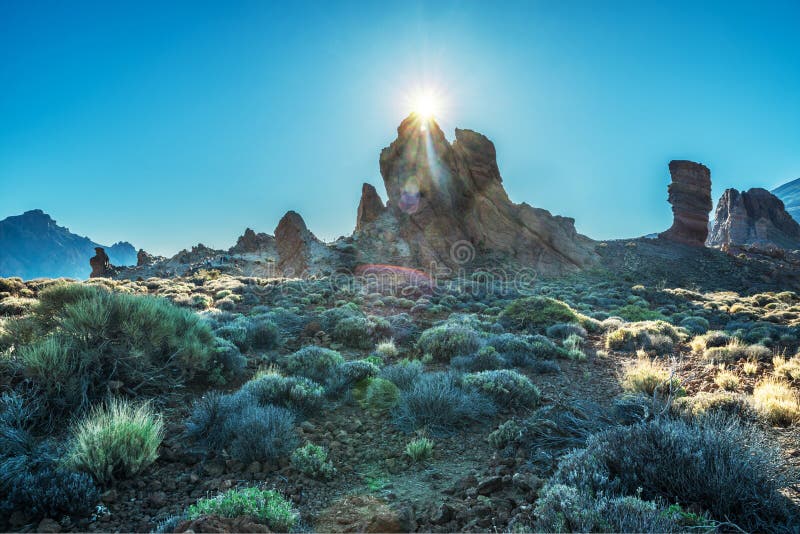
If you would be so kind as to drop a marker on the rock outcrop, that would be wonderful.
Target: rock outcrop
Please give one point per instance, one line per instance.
(690, 196)
(295, 245)
(251, 242)
(789, 193)
(370, 207)
(144, 258)
(754, 217)
(451, 208)
(101, 265)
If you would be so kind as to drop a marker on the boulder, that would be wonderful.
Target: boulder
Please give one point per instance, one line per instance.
(144, 258)
(221, 525)
(101, 265)
(358, 513)
(690, 196)
(370, 207)
(754, 217)
(452, 210)
(294, 241)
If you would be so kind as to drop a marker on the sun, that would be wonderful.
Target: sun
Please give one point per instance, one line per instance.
(426, 104)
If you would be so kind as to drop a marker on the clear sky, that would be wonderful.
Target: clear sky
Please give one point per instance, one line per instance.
(172, 123)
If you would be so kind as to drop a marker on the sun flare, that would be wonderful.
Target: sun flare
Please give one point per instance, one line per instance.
(426, 104)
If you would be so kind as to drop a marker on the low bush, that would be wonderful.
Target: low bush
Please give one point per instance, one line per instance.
(776, 402)
(262, 333)
(312, 460)
(386, 349)
(403, 374)
(564, 330)
(508, 432)
(787, 369)
(714, 338)
(381, 395)
(117, 440)
(695, 325)
(648, 376)
(735, 351)
(729, 469)
(299, 394)
(16, 305)
(265, 506)
(719, 403)
(486, 359)
(535, 314)
(727, 380)
(436, 402)
(419, 449)
(316, 363)
(446, 341)
(348, 374)
(645, 334)
(506, 387)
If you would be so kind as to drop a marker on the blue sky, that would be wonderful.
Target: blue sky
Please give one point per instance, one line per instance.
(170, 123)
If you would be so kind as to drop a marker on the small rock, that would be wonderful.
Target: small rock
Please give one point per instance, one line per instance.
(254, 467)
(109, 496)
(48, 525)
(159, 498)
(490, 485)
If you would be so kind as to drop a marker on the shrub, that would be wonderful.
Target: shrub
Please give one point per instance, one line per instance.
(117, 440)
(261, 433)
(445, 341)
(386, 349)
(735, 351)
(750, 368)
(297, 393)
(508, 432)
(517, 349)
(507, 388)
(787, 369)
(229, 359)
(485, 360)
(714, 338)
(647, 376)
(403, 374)
(643, 334)
(313, 461)
(16, 305)
(262, 333)
(437, 403)
(314, 362)
(705, 403)
(727, 380)
(265, 506)
(213, 416)
(381, 395)
(348, 374)
(729, 469)
(777, 402)
(695, 325)
(53, 299)
(564, 330)
(535, 314)
(419, 449)
(561, 427)
(636, 313)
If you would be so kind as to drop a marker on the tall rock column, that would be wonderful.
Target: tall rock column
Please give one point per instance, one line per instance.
(690, 196)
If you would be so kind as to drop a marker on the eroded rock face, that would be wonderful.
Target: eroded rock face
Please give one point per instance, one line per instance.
(101, 265)
(451, 207)
(690, 196)
(370, 207)
(144, 258)
(251, 241)
(753, 217)
(294, 242)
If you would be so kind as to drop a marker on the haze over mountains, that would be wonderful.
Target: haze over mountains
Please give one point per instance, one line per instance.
(789, 193)
(32, 245)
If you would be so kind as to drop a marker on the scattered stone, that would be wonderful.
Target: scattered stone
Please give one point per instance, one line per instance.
(490, 485)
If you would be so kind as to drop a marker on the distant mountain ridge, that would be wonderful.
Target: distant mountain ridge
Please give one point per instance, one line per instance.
(32, 245)
(789, 193)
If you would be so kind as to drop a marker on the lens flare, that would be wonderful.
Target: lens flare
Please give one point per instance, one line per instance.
(426, 104)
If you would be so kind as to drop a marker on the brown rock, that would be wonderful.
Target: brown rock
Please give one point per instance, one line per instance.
(294, 242)
(370, 207)
(755, 217)
(221, 524)
(48, 525)
(451, 206)
(690, 196)
(144, 258)
(101, 266)
(358, 513)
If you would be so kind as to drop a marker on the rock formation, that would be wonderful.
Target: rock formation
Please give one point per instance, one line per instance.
(754, 217)
(144, 258)
(450, 206)
(101, 265)
(370, 207)
(690, 196)
(250, 242)
(789, 193)
(295, 244)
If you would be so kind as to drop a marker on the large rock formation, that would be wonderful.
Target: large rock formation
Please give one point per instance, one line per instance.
(250, 242)
(101, 264)
(296, 245)
(449, 208)
(690, 196)
(370, 207)
(144, 258)
(754, 217)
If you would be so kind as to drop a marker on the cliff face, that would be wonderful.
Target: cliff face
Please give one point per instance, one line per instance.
(753, 217)
(789, 193)
(690, 196)
(32, 245)
(448, 205)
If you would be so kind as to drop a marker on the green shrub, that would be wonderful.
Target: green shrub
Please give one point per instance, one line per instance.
(718, 402)
(714, 338)
(419, 449)
(313, 461)
(646, 334)
(777, 402)
(506, 387)
(265, 506)
(735, 351)
(262, 334)
(386, 349)
(508, 432)
(316, 363)
(117, 440)
(535, 314)
(403, 373)
(53, 299)
(381, 395)
(729, 469)
(297, 393)
(446, 341)
(648, 376)
(347, 374)
(353, 332)
(635, 313)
